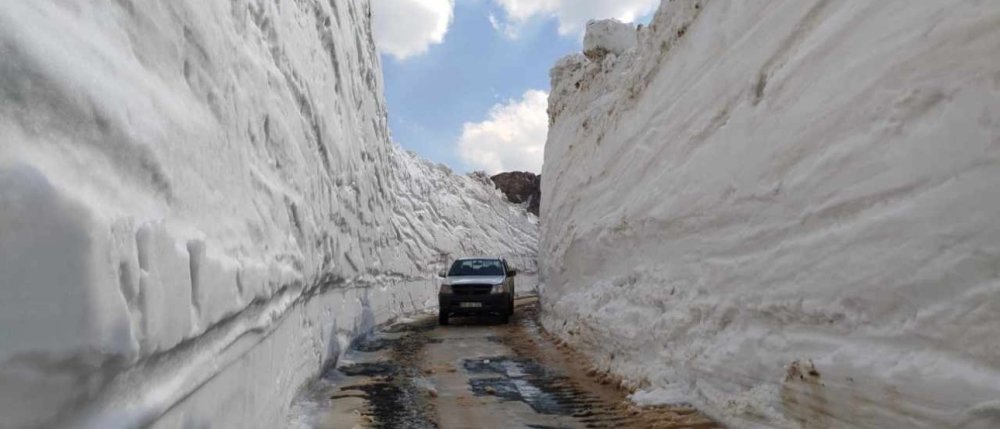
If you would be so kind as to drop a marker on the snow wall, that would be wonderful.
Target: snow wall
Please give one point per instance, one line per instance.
(784, 212)
(200, 207)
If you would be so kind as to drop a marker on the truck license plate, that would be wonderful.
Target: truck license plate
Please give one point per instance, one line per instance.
(471, 305)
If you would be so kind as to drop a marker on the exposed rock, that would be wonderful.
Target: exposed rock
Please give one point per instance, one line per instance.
(521, 187)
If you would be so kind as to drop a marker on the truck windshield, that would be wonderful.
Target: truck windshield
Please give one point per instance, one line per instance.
(476, 267)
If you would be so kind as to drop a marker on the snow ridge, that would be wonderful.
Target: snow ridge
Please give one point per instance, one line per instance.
(784, 212)
(200, 207)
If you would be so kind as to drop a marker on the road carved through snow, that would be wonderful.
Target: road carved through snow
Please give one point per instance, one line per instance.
(477, 373)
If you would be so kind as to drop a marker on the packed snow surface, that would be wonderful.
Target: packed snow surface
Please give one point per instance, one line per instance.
(785, 212)
(200, 206)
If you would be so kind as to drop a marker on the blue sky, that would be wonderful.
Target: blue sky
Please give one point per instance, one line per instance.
(462, 98)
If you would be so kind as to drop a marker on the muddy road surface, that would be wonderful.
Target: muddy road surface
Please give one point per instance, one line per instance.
(475, 373)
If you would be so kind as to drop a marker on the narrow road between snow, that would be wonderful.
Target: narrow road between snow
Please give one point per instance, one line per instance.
(476, 373)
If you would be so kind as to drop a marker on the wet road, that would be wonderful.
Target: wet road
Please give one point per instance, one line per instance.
(475, 373)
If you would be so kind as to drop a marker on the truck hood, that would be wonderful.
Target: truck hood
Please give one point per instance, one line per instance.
(470, 280)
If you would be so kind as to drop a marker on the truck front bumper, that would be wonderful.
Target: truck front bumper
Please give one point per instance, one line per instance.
(464, 305)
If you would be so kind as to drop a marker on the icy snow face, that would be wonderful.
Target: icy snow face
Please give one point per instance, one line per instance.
(200, 206)
(787, 210)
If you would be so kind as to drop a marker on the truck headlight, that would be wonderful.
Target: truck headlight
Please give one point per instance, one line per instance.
(445, 289)
(497, 289)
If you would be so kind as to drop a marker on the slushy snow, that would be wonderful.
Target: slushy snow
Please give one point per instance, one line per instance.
(200, 207)
(785, 212)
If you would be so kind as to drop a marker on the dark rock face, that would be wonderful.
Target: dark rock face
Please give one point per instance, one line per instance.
(521, 187)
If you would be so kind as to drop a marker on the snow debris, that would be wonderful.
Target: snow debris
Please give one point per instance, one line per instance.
(669, 395)
(785, 211)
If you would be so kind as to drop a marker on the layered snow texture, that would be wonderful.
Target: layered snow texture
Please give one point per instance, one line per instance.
(200, 207)
(786, 212)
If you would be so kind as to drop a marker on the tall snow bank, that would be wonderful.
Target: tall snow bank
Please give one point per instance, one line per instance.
(200, 207)
(786, 211)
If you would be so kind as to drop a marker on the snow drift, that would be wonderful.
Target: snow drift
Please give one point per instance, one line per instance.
(785, 212)
(200, 207)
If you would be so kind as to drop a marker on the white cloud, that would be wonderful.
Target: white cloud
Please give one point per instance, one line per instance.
(508, 29)
(511, 138)
(574, 14)
(404, 28)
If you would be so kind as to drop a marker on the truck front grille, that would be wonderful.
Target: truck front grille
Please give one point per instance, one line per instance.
(472, 289)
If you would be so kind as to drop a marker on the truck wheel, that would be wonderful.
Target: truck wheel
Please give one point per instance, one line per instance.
(442, 319)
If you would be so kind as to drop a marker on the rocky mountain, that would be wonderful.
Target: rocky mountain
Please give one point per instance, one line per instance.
(521, 187)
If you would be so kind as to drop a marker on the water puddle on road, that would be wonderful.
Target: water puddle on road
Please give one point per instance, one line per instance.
(520, 380)
(541, 388)
(377, 387)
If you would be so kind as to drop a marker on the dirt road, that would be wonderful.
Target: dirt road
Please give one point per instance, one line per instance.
(476, 373)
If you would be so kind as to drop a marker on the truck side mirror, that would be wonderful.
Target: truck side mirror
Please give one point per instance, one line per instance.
(512, 272)
(442, 274)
